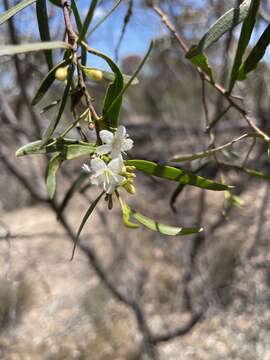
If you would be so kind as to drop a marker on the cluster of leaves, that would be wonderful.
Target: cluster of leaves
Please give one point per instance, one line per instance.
(74, 62)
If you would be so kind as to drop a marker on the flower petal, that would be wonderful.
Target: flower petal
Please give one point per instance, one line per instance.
(103, 149)
(116, 153)
(106, 136)
(120, 132)
(127, 145)
(119, 179)
(98, 165)
(86, 168)
(116, 165)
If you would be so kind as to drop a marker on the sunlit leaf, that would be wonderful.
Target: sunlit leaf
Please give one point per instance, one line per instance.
(243, 41)
(14, 10)
(175, 174)
(256, 54)
(152, 224)
(69, 148)
(200, 60)
(53, 166)
(85, 218)
(24, 48)
(44, 31)
(111, 113)
(224, 24)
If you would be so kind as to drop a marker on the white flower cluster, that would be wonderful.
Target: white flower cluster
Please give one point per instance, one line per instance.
(109, 174)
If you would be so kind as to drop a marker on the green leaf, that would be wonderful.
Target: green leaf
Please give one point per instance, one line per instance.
(75, 186)
(80, 28)
(53, 166)
(162, 228)
(47, 82)
(14, 10)
(124, 89)
(69, 148)
(109, 75)
(255, 55)
(126, 212)
(24, 48)
(152, 224)
(224, 24)
(44, 31)
(85, 218)
(111, 113)
(200, 60)
(243, 41)
(175, 174)
(55, 121)
(247, 171)
(88, 19)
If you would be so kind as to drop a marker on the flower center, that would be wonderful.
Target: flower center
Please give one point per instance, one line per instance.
(117, 143)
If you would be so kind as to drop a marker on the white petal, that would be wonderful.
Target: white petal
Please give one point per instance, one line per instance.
(119, 179)
(103, 149)
(98, 165)
(86, 168)
(120, 132)
(96, 179)
(115, 154)
(127, 145)
(110, 188)
(116, 165)
(106, 136)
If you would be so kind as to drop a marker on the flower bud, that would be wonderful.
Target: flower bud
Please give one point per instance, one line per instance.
(130, 188)
(95, 75)
(130, 168)
(61, 73)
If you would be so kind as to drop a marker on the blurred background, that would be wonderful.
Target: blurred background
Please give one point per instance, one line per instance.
(134, 294)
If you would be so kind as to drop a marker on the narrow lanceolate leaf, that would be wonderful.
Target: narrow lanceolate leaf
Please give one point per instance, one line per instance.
(47, 82)
(111, 113)
(224, 24)
(24, 48)
(255, 56)
(88, 19)
(243, 41)
(124, 89)
(152, 224)
(69, 148)
(175, 174)
(85, 218)
(162, 228)
(44, 31)
(55, 121)
(14, 10)
(79, 24)
(108, 75)
(75, 186)
(200, 60)
(53, 166)
(247, 171)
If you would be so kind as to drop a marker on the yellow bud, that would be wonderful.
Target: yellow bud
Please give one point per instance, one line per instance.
(130, 188)
(95, 74)
(61, 73)
(130, 168)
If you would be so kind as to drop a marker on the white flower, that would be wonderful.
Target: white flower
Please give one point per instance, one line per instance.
(114, 143)
(106, 175)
